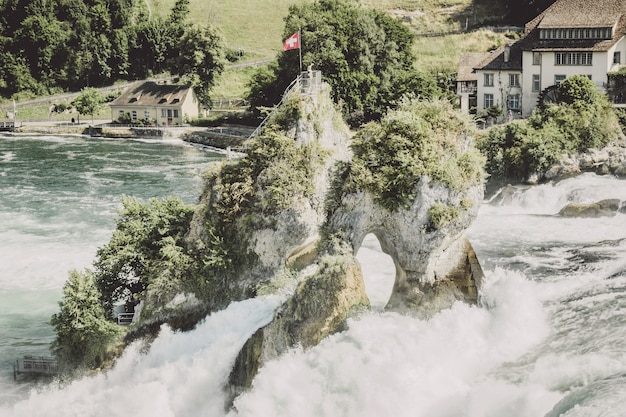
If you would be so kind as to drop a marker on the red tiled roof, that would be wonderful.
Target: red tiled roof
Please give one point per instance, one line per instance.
(577, 14)
(583, 13)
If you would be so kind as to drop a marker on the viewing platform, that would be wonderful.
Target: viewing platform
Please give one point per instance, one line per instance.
(35, 365)
(7, 126)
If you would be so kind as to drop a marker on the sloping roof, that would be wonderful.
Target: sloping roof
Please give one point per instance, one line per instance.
(583, 13)
(497, 59)
(150, 93)
(467, 62)
(577, 14)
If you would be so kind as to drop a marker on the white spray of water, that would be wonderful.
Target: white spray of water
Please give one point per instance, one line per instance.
(384, 364)
(181, 375)
(390, 364)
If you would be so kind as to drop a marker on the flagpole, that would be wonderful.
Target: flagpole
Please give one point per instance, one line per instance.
(300, 46)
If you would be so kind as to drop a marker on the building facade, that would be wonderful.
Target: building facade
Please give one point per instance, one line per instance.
(156, 104)
(571, 37)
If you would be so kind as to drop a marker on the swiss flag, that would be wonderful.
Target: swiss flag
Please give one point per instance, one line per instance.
(293, 42)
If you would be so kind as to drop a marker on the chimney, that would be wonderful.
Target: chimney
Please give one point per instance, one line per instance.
(507, 53)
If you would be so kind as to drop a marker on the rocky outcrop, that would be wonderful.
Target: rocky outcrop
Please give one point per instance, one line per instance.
(429, 261)
(275, 239)
(609, 160)
(318, 308)
(603, 208)
(435, 264)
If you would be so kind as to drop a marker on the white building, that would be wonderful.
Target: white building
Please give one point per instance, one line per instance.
(159, 104)
(571, 37)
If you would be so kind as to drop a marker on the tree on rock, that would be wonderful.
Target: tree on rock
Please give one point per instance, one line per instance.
(83, 330)
(420, 137)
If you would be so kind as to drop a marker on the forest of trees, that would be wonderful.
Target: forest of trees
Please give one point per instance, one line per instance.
(52, 45)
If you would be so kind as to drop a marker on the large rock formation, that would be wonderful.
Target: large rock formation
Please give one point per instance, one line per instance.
(435, 264)
(602, 208)
(609, 160)
(291, 216)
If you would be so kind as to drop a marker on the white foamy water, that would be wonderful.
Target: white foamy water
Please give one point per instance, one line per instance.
(180, 375)
(389, 364)
(548, 339)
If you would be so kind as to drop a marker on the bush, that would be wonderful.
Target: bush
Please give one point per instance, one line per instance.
(517, 149)
(83, 332)
(441, 214)
(582, 119)
(419, 138)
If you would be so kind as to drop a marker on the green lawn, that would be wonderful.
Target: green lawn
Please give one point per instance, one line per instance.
(254, 26)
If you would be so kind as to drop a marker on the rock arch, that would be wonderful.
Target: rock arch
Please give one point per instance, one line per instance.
(434, 266)
(378, 269)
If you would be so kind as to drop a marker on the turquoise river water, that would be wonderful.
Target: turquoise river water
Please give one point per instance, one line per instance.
(548, 338)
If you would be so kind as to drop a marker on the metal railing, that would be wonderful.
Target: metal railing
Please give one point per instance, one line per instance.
(43, 365)
(308, 82)
(124, 319)
(295, 83)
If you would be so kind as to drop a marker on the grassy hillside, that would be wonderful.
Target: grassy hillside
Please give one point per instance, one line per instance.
(256, 26)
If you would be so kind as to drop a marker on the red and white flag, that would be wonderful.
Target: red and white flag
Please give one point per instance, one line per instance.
(293, 42)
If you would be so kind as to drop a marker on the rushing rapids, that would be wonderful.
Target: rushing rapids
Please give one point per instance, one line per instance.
(548, 338)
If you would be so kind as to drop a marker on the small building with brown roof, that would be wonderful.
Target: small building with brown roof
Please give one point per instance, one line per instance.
(467, 80)
(156, 104)
(571, 37)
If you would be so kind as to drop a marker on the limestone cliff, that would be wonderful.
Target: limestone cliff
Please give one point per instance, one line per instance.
(281, 184)
(428, 260)
(435, 264)
(291, 216)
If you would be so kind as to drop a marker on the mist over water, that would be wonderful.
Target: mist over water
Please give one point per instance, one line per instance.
(549, 338)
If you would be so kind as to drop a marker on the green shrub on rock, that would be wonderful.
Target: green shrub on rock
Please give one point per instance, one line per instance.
(582, 119)
(419, 138)
(83, 331)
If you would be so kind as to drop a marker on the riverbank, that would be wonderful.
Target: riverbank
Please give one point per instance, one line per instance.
(104, 128)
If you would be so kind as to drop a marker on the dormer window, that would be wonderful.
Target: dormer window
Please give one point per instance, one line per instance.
(133, 100)
(576, 33)
(163, 100)
(176, 100)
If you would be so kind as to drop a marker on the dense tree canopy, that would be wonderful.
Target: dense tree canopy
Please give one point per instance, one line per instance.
(365, 55)
(580, 119)
(71, 44)
(145, 234)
